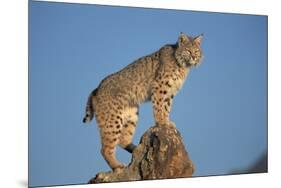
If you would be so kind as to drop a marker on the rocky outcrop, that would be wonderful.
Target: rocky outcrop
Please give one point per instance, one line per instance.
(160, 155)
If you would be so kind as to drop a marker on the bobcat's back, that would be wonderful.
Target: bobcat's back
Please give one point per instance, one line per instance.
(133, 83)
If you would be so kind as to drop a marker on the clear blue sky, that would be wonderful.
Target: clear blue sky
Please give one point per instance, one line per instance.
(221, 111)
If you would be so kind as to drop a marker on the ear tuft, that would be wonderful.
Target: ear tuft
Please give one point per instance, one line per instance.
(183, 39)
(197, 40)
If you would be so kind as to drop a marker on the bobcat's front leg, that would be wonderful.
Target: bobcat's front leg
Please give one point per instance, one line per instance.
(162, 99)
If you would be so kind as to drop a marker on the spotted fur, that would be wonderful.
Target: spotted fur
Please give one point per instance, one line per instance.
(156, 77)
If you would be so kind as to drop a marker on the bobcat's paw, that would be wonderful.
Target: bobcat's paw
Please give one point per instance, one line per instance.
(119, 168)
(172, 125)
(168, 124)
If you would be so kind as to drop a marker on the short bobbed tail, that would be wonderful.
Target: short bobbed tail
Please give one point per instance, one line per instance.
(90, 110)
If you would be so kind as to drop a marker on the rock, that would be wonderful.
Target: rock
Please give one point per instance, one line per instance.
(160, 155)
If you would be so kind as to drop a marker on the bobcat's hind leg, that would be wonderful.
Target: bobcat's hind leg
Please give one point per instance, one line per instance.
(128, 130)
(110, 132)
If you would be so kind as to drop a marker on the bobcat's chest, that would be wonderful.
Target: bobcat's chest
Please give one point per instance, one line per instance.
(177, 80)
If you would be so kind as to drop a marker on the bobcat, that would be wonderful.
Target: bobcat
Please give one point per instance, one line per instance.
(156, 77)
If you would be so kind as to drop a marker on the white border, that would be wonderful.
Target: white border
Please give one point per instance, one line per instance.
(249, 7)
(14, 80)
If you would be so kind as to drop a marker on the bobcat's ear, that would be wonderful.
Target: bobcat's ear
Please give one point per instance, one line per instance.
(183, 39)
(197, 40)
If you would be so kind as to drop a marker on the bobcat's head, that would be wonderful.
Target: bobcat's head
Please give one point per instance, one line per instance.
(188, 50)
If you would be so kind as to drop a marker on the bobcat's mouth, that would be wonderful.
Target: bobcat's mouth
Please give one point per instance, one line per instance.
(193, 61)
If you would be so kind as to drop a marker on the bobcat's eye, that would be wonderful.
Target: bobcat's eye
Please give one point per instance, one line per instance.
(197, 52)
(188, 51)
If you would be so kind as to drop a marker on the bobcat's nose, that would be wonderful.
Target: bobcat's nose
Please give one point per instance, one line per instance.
(192, 57)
